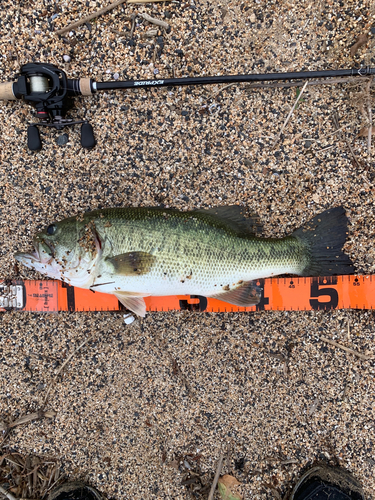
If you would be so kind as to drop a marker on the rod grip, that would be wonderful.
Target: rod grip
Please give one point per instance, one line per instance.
(6, 92)
(85, 86)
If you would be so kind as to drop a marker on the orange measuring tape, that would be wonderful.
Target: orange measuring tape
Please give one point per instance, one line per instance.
(278, 294)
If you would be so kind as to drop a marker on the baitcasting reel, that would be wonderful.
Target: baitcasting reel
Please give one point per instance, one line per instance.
(47, 88)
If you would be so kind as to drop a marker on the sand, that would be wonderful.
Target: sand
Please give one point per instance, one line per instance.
(146, 410)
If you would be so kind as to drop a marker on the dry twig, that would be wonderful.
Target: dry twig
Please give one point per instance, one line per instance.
(152, 20)
(216, 478)
(27, 418)
(90, 16)
(63, 366)
(289, 115)
(337, 126)
(6, 493)
(106, 9)
(369, 118)
(298, 83)
(347, 349)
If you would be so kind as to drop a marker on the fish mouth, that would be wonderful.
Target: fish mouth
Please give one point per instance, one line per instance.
(43, 254)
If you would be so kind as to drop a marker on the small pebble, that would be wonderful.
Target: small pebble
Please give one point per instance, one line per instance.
(116, 76)
(67, 58)
(62, 139)
(128, 319)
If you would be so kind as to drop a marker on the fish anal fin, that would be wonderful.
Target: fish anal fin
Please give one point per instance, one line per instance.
(132, 263)
(245, 295)
(133, 302)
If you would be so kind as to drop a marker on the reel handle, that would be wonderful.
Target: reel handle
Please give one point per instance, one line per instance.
(33, 138)
(87, 136)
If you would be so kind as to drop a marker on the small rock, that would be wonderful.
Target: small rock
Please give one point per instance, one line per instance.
(116, 76)
(62, 139)
(128, 319)
(66, 58)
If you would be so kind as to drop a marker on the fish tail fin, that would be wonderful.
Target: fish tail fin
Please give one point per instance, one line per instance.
(324, 236)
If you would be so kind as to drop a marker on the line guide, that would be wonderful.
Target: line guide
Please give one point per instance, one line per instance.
(278, 294)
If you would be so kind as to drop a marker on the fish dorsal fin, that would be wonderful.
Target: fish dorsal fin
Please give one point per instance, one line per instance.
(132, 263)
(245, 295)
(133, 302)
(237, 218)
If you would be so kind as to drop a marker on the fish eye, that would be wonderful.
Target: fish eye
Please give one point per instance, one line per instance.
(51, 229)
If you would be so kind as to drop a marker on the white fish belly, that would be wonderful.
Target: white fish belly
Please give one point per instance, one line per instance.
(186, 283)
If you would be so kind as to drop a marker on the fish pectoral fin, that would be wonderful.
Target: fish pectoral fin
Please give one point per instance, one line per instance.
(132, 301)
(246, 295)
(132, 263)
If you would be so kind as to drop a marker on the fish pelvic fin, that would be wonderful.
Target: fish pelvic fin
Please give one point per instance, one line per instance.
(324, 237)
(132, 263)
(246, 295)
(133, 302)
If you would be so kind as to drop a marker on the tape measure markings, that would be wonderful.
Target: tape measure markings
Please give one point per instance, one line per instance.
(280, 294)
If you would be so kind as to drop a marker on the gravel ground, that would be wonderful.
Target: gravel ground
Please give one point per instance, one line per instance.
(141, 409)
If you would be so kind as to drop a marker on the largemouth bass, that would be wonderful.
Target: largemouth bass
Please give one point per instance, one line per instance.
(138, 252)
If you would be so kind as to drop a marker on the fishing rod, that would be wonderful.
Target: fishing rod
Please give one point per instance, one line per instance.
(47, 88)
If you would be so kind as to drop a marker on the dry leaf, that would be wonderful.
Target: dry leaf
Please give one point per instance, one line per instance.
(364, 132)
(362, 40)
(229, 488)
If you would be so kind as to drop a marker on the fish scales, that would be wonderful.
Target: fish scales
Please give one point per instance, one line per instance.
(196, 246)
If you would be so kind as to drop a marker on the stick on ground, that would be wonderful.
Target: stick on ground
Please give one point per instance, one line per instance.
(27, 418)
(347, 349)
(62, 367)
(216, 478)
(335, 118)
(103, 11)
(89, 17)
(7, 494)
(289, 115)
(369, 119)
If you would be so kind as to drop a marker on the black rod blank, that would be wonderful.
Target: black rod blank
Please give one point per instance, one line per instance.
(209, 80)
